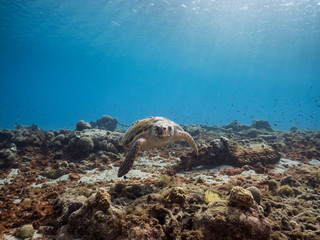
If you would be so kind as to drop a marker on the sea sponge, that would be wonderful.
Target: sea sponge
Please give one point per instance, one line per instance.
(210, 197)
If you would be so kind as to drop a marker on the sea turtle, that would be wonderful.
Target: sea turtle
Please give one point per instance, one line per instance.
(148, 133)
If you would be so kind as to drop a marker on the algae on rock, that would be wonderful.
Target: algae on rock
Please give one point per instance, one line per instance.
(241, 198)
(26, 231)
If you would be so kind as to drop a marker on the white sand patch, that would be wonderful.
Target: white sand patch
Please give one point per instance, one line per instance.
(58, 180)
(285, 164)
(7, 237)
(314, 162)
(253, 173)
(9, 179)
(17, 201)
(111, 174)
(204, 173)
(201, 171)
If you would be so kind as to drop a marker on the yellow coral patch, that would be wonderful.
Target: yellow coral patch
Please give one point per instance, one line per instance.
(210, 196)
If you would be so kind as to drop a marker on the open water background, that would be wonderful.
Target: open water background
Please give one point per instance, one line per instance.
(199, 61)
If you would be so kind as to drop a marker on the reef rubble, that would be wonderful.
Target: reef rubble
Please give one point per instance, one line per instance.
(248, 182)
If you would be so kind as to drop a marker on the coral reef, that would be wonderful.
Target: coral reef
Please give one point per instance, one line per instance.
(237, 153)
(261, 124)
(222, 222)
(7, 157)
(106, 122)
(236, 126)
(96, 218)
(240, 197)
(81, 125)
(256, 194)
(272, 184)
(85, 144)
(286, 191)
(23, 136)
(248, 182)
(92, 140)
(169, 214)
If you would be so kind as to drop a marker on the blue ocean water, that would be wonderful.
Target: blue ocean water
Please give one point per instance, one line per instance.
(193, 61)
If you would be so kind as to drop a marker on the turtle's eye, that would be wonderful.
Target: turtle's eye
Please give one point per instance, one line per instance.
(169, 128)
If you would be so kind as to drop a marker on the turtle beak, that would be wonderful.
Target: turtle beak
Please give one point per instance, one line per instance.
(165, 131)
(162, 131)
(159, 131)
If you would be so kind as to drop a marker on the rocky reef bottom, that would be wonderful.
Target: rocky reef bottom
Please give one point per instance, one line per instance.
(248, 182)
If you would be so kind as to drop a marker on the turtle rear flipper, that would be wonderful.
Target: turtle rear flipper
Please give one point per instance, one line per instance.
(131, 156)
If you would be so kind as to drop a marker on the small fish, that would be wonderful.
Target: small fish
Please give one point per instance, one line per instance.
(167, 197)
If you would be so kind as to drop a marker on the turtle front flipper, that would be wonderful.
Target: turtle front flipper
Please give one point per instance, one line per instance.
(131, 156)
(186, 136)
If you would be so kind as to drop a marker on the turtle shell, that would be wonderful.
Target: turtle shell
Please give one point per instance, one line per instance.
(140, 127)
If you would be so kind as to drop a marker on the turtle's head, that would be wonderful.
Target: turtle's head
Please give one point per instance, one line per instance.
(162, 130)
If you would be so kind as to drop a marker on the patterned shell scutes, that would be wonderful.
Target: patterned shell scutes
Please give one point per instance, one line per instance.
(139, 127)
